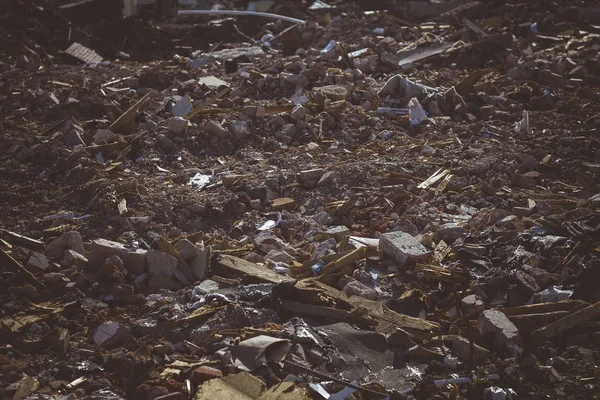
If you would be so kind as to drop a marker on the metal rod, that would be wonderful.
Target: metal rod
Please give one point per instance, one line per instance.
(233, 12)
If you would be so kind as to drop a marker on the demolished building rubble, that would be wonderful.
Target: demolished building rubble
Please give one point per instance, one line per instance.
(344, 200)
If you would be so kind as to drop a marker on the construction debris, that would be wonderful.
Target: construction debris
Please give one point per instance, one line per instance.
(339, 200)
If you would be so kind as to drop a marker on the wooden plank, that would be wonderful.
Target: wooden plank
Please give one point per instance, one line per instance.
(6, 260)
(565, 305)
(527, 323)
(250, 272)
(569, 322)
(127, 117)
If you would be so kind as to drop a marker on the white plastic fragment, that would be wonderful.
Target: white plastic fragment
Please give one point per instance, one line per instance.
(522, 126)
(416, 112)
(200, 181)
(270, 224)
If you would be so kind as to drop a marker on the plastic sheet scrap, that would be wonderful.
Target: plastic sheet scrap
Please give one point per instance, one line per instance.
(200, 181)
(270, 224)
(255, 352)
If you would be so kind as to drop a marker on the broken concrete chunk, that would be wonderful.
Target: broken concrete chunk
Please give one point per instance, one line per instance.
(310, 174)
(338, 232)
(299, 113)
(216, 129)
(279, 256)
(462, 349)
(403, 248)
(332, 92)
(240, 129)
(37, 262)
(110, 335)
(326, 179)
(73, 258)
(105, 136)
(163, 271)
(497, 324)
(186, 249)
(182, 108)
(355, 288)
(67, 241)
(134, 259)
(450, 232)
(177, 125)
(472, 305)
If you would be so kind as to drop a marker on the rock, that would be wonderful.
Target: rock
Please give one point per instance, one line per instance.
(561, 364)
(279, 256)
(177, 125)
(298, 113)
(240, 129)
(134, 259)
(355, 288)
(105, 136)
(67, 241)
(472, 305)
(333, 92)
(526, 284)
(110, 335)
(326, 179)
(310, 174)
(73, 258)
(403, 248)
(497, 214)
(542, 277)
(462, 349)
(495, 323)
(163, 271)
(528, 161)
(284, 203)
(322, 218)
(206, 287)
(37, 262)
(337, 232)
(186, 249)
(404, 225)
(73, 138)
(256, 205)
(182, 108)
(216, 129)
(56, 281)
(450, 232)
(165, 143)
(521, 211)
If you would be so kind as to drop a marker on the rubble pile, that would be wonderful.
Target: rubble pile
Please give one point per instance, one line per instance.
(389, 200)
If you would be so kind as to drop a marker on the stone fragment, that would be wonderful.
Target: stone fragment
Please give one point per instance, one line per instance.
(497, 324)
(450, 232)
(279, 256)
(37, 262)
(134, 259)
(73, 138)
(472, 305)
(177, 125)
(73, 258)
(186, 249)
(462, 349)
(299, 113)
(216, 129)
(105, 136)
(526, 284)
(333, 92)
(310, 174)
(163, 271)
(338, 232)
(67, 241)
(355, 288)
(110, 335)
(208, 286)
(182, 108)
(326, 179)
(240, 129)
(403, 248)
